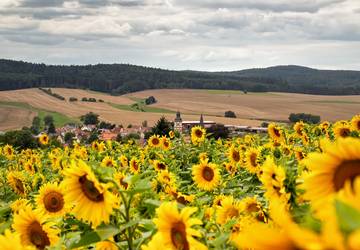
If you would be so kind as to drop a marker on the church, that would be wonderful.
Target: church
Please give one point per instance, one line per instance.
(183, 126)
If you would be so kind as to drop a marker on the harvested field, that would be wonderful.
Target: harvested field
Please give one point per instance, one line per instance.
(267, 106)
(251, 109)
(14, 118)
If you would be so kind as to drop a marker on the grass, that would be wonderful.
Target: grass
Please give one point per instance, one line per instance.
(59, 119)
(139, 107)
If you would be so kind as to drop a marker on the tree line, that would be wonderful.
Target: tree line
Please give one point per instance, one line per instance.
(124, 78)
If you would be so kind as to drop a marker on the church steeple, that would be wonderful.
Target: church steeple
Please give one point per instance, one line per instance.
(201, 121)
(178, 122)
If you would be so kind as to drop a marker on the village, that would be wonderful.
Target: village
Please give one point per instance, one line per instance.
(81, 132)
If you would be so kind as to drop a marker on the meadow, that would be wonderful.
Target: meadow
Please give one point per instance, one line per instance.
(296, 188)
(251, 109)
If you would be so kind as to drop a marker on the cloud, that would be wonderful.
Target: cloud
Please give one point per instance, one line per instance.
(193, 34)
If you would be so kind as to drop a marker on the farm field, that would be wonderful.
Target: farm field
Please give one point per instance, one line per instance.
(251, 109)
(284, 190)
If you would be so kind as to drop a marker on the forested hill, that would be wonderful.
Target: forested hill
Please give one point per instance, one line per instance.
(124, 78)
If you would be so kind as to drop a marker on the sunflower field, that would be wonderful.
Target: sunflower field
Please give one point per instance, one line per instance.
(295, 188)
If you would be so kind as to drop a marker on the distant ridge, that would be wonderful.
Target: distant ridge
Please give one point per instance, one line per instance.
(124, 78)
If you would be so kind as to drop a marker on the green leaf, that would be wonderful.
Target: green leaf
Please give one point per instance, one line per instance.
(348, 217)
(106, 232)
(86, 239)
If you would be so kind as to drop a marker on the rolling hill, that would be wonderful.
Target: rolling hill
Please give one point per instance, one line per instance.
(18, 107)
(119, 79)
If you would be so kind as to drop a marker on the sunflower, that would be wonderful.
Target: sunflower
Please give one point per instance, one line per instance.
(17, 205)
(252, 156)
(203, 157)
(234, 155)
(175, 229)
(106, 245)
(341, 129)
(120, 180)
(355, 123)
(299, 154)
(275, 132)
(34, 229)
(134, 166)
(159, 165)
(198, 135)
(299, 128)
(330, 170)
(273, 179)
(16, 181)
(166, 177)
(44, 139)
(231, 168)
(155, 141)
(124, 161)
(29, 167)
(12, 241)
(229, 209)
(283, 233)
(8, 151)
(165, 142)
(172, 134)
(250, 205)
(206, 175)
(92, 199)
(217, 202)
(108, 161)
(51, 201)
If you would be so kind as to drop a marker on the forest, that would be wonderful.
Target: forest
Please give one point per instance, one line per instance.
(119, 79)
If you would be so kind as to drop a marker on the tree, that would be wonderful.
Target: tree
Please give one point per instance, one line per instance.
(21, 139)
(94, 136)
(230, 114)
(162, 127)
(144, 123)
(35, 127)
(106, 125)
(150, 100)
(68, 137)
(51, 129)
(73, 99)
(308, 118)
(218, 131)
(48, 119)
(90, 118)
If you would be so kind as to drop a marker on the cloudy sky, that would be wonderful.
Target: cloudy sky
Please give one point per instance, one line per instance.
(183, 34)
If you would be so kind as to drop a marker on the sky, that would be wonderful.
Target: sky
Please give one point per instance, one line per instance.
(209, 35)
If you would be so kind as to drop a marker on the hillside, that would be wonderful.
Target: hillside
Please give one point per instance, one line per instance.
(18, 107)
(124, 78)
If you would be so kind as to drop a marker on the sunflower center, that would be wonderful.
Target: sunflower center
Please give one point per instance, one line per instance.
(19, 186)
(38, 236)
(124, 183)
(236, 156)
(252, 207)
(232, 213)
(208, 173)
(53, 201)
(109, 163)
(277, 132)
(161, 166)
(155, 141)
(358, 125)
(178, 236)
(344, 132)
(89, 189)
(198, 133)
(348, 170)
(135, 165)
(253, 158)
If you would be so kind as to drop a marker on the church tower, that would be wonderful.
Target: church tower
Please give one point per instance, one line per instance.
(178, 122)
(201, 121)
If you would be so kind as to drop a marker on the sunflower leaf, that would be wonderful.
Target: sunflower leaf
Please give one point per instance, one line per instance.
(348, 217)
